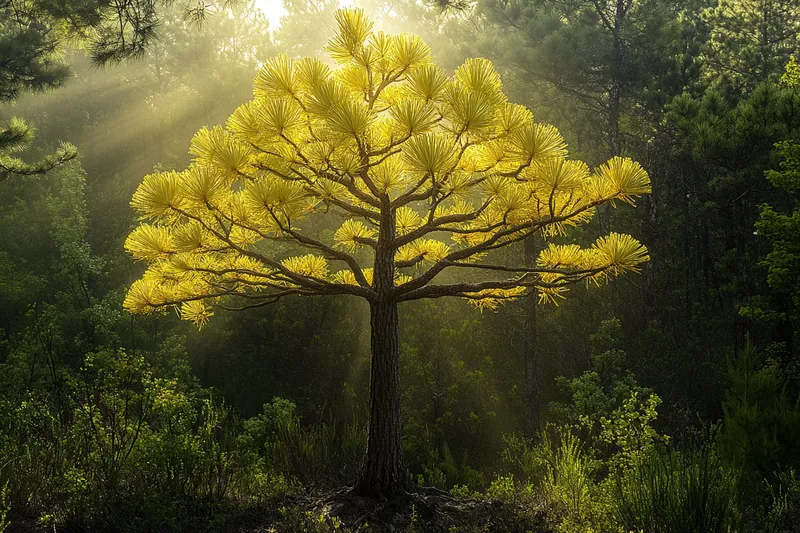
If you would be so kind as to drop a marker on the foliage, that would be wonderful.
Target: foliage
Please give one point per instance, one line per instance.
(306, 27)
(370, 140)
(605, 63)
(751, 40)
(783, 513)
(147, 451)
(568, 480)
(675, 491)
(721, 144)
(133, 449)
(322, 455)
(33, 37)
(761, 420)
(560, 468)
(33, 34)
(453, 393)
(441, 469)
(606, 430)
(613, 413)
(18, 137)
(783, 233)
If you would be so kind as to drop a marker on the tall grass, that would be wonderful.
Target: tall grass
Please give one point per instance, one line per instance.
(676, 492)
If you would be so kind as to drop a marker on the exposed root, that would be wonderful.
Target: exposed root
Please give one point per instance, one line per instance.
(426, 509)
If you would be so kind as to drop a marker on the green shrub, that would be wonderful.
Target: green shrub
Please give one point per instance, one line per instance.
(321, 455)
(502, 488)
(609, 409)
(558, 468)
(441, 469)
(122, 446)
(5, 507)
(784, 513)
(526, 460)
(675, 492)
(569, 482)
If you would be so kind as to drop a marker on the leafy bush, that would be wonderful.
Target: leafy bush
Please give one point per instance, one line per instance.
(611, 411)
(558, 467)
(122, 446)
(319, 455)
(503, 488)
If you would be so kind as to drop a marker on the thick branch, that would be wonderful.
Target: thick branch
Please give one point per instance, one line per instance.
(464, 289)
(308, 282)
(308, 241)
(521, 231)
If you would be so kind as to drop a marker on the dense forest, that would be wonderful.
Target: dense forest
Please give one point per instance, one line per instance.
(400, 265)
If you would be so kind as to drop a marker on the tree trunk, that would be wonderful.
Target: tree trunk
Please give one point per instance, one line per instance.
(533, 246)
(383, 473)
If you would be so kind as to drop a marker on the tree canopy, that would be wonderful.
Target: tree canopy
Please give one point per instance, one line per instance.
(440, 170)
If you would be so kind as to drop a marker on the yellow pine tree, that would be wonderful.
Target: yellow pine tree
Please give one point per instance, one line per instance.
(430, 173)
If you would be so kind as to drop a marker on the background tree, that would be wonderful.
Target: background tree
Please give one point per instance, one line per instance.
(601, 65)
(33, 37)
(751, 40)
(389, 140)
(783, 260)
(306, 27)
(601, 71)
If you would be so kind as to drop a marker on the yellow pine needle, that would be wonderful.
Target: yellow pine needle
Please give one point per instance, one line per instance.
(310, 265)
(625, 178)
(621, 252)
(491, 299)
(346, 277)
(432, 153)
(384, 127)
(196, 311)
(348, 235)
(157, 195)
(150, 242)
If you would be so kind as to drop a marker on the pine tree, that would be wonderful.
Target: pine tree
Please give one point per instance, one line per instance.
(607, 62)
(751, 40)
(33, 34)
(16, 137)
(432, 173)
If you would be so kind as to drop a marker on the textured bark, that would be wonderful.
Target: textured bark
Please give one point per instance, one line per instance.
(533, 245)
(617, 74)
(383, 472)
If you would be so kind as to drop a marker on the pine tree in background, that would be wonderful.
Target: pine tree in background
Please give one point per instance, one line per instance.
(16, 137)
(306, 27)
(751, 40)
(431, 174)
(781, 228)
(33, 34)
(606, 65)
(28, 62)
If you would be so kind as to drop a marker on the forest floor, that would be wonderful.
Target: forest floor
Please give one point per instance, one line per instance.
(424, 510)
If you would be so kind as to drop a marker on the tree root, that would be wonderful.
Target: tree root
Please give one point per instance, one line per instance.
(425, 509)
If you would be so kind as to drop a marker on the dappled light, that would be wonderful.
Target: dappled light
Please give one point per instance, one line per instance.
(399, 265)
